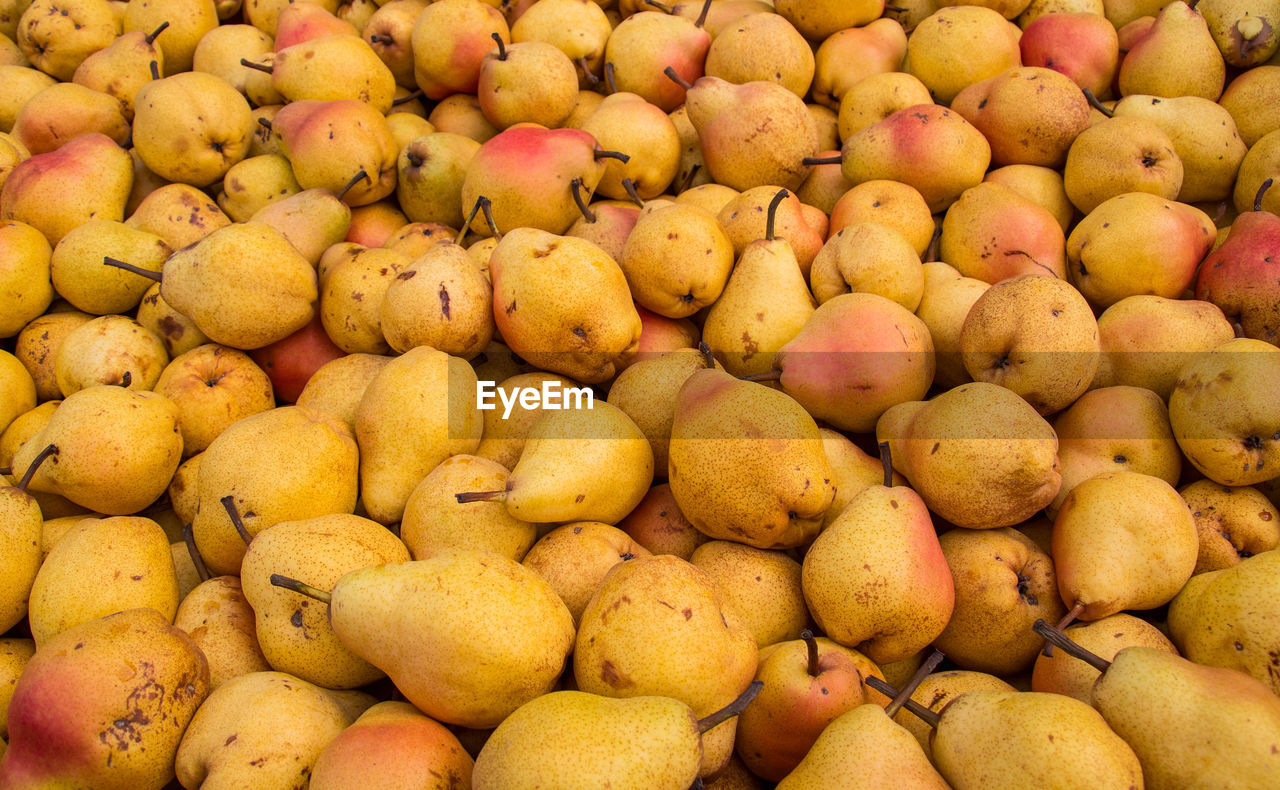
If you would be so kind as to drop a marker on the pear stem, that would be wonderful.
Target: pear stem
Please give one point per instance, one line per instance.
(822, 160)
(502, 48)
(676, 78)
(483, 205)
(1097, 105)
(356, 179)
(661, 7)
(924, 714)
(610, 83)
(408, 97)
(1054, 636)
(1262, 190)
(480, 496)
(576, 187)
(621, 157)
(151, 37)
(739, 704)
(229, 504)
(811, 645)
(1062, 624)
(630, 187)
(155, 69)
(772, 213)
(591, 79)
(299, 587)
(49, 450)
(126, 379)
(189, 538)
(923, 671)
(931, 252)
(249, 64)
(702, 18)
(768, 375)
(707, 357)
(381, 38)
(886, 462)
(129, 267)
(687, 181)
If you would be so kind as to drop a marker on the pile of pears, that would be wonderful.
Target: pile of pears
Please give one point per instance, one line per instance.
(581, 393)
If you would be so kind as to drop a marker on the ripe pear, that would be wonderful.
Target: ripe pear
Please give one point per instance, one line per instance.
(80, 277)
(289, 463)
(1148, 539)
(1234, 523)
(327, 142)
(36, 350)
(763, 585)
(658, 626)
(960, 45)
(852, 55)
(938, 690)
(1220, 417)
(57, 37)
(993, 233)
(1008, 451)
(1204, 136)
(1232, 275)
(178, 213)
(506, 426)
(1248, 98)
(138, 430)
(868, 257)
(764, 47)
(650, 41)
(1119, 155)
(575, 557)
(1146, 339)
(1176, 57)
(440, 299)
(26, 276)
(110, 349)
(312, 220)
(944, 303)
(281, 724)
(105, 704)
(55, 115)
(19, 549)
(449, 41)
(1062, 674)
(431, 169)
(393, 745)
(188, 20)
(891, 203)
(417, 411)
(191, 127)
(220, 622)
(122, 68)
(625, 122)
(677, 260)
(332, 67)
(434, 520)
(1030, 115)
(724, 485)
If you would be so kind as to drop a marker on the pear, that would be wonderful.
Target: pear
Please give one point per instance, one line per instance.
(626, 122)
(390, 33)
(485, 636)
(960, 45)
(722, 114)
(1245, 33)
(506, 427)
(580, 30)
(332, 67)
(137, 430)
(338, 385)
(1231, 276)
(658, 525)
(763, 47)
(78, 274)
(431, 169)
(293, 632)
(993, 233)
(221, 623)
(327, 142)
(188, 21)
(1234, 523)
(562, 303)
(57, 38)
(15, 654)
(1149, 537)
(650, 42)
(213, 387)
(281, 724)
(556, 478)
(20, 546)
(876, 578)
(1029, 114)
(36, 350)
(659, 626)
(1219, 619)
(108, 701)
(1176, 57)
(191, 127)
(1207, 703)
(1008, 451)
(1062, 674)
(868, 257)
(178, 213)
(935, 692)
(864, 748)
(725, 485)
(312, 220)
(101, 566)
(530, 81)
(1120, 155)
(763, 585)
(286, 464)
(27, 284)
(575, 557)
(110, 349)
(1146, 339)
(887, 202)
(945, 301)
(405, 746)
(439, 299)
(449, 41)
(122, 68)
(61, 112)
(1245, 98)
(987, 738)
(644, 741)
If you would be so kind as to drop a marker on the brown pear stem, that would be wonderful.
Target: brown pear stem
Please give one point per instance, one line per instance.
(770, 216)
(1097, 105)
(480, 496)
(610, 82)
(707, 357)
(923, 671)
(591, 79)
(702, 18)
(676, 78)
(1066, 620)
(249, 64)
(129, 267)
(768, 375)
(49, 450)
(381, 38)
(575, 186)
(483, 205)
(1262, 190)
(155, 69)
(687, 181)
(408, 97)
(265, 123)
(698, 784)
(356, 179)
(300, 587)
(126, 379)
(603, 154)
(739, 704)
(915, 708)
(229, 504)
(502, 47)
(189, 538)
(1057, 638)
(822, 160)
(661, 7)
(151, 37)
(811, 645)
(630, 187)
(886, 463)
